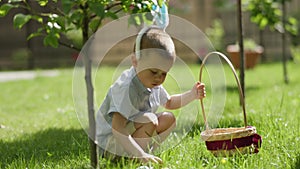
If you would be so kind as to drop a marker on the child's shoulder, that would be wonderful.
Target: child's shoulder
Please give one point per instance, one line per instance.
(123, 81)
(124, 78)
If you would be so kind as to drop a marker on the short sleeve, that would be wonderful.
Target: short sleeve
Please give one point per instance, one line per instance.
(163, 96)
(121, 103)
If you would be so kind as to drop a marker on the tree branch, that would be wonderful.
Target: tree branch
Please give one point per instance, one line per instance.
(108, 7)
(71, 46)
(117, 11)
(59, 11)
(98, 24)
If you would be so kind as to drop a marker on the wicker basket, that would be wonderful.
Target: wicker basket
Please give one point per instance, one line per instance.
(228, 141)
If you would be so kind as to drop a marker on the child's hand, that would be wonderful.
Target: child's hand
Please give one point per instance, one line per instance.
(199, 90)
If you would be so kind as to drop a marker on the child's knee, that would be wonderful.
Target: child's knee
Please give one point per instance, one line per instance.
(167, 121)
(167, 116)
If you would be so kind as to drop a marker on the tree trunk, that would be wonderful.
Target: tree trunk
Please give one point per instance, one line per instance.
(91, 112)
(90, 93)
(241, 46)
(285, 74)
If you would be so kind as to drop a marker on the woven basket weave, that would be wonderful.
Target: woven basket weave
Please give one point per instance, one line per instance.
(228, 141)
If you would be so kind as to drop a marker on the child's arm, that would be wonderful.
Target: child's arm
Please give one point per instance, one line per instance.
(127, 141)
(180, 100)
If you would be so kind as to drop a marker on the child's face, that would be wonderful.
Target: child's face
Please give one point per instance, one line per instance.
(152, 77)
(152, 70)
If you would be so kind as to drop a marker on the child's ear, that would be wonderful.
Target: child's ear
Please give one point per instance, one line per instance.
(133, 60)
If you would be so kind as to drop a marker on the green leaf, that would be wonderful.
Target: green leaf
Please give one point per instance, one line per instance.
(5, 8)
(35, 34)
(67, 5)
(97, 8)
(137, 20)
(277, 12)
(38, 18)
(257, 18)
(51, 40)
(292, 20)
(77, 17)
(292, 26)
(20, 20)
(160, 2)
(43, 2)
(263, 23)
(112, 15)
(60, 21)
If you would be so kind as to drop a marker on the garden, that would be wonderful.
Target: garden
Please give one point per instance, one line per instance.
(41, 125)
(40, 128)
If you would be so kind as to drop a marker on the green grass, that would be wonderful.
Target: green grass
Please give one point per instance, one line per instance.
(42, 129)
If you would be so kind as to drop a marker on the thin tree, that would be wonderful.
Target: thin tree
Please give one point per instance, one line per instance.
(283, 40)
(241, 46)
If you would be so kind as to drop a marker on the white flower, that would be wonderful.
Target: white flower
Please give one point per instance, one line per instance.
(53, 16)
(50, 24)
(57, 26)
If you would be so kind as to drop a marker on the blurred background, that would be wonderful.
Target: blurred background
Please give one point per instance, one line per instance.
(216, 18)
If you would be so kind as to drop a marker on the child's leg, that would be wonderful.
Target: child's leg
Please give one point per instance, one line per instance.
(145, 127)
(166, 124)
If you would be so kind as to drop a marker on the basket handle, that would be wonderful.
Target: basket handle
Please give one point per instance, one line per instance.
(237, 81)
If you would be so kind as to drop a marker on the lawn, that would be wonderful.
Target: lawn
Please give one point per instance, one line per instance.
(40, 129)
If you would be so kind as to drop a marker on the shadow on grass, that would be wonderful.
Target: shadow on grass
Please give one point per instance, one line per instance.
(297, 162)
(52, 146)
